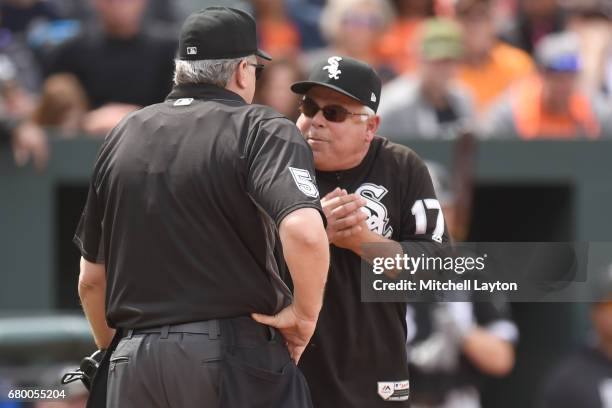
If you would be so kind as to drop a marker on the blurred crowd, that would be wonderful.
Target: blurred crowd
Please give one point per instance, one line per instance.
(522, 69)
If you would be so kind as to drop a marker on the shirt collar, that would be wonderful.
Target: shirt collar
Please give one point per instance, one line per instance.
(203, 91)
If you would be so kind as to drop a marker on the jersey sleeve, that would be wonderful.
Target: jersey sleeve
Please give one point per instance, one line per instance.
(88, 236)
(422, 217)
(280, 170)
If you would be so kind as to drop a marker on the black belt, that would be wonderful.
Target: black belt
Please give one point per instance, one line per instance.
(210, 327)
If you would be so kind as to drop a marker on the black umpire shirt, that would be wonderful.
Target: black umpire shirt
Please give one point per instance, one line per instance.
(184, 204)
(357, 356)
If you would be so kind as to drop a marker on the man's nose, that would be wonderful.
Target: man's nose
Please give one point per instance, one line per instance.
(318, 120)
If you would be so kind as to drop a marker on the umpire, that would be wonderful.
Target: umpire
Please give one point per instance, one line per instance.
(179, 238)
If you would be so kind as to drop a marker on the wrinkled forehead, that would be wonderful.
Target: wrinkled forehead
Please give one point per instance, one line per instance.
(325, 96)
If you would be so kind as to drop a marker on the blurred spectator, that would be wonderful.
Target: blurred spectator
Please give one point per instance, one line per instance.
(585, 379)
(354, 28)
(15, 57)
(453, 346)
(535, 19)
(187, 7)
(277, 33)
(551, 104)
(430, 105)
(17, 15)
(63, 105)
(307, 16)
(273, 88)
(167, 11)
(27, 140)
(489, 66)
(399, 46)
(122, 65)
(591, 21)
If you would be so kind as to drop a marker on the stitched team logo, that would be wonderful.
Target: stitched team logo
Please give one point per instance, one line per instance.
(333, 67)
(378, 217)
(304, 182)
(192, 50)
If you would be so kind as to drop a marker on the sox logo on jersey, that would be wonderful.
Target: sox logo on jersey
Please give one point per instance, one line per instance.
(378, 216)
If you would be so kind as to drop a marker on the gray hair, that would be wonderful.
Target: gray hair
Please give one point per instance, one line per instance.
(217, 72)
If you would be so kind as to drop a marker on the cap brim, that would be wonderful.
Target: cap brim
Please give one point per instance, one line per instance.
(263, 54)
(304, 86)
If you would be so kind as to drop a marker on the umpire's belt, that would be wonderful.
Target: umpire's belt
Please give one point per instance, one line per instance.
(210, 327)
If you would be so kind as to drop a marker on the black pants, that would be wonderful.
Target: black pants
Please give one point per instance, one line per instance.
(229, 363)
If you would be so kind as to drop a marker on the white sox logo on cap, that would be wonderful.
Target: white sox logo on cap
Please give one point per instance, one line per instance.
(333, 66)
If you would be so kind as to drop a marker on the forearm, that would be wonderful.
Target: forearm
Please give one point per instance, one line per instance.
(92, 292)
(306, 251)
(382, 248)
(93, 302)
(488, 353)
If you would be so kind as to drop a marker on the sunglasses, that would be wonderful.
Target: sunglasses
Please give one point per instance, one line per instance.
(258, 69)
(332, 113)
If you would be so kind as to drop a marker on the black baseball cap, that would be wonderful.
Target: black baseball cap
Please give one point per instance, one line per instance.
(219, 33)
(346, 75)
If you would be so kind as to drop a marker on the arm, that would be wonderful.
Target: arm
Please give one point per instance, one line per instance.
(306, 252)
(489, 353)
(92, 290)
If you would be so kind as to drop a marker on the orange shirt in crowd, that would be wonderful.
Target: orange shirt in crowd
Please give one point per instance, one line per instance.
(533, 121)
(487, 82)
(279, 38)
(398, 47)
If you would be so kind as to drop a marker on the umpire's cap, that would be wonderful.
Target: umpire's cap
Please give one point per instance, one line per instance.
(348, 76)
(219, 33)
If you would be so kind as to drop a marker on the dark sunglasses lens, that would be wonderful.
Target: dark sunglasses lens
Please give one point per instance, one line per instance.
(258, 72)
(309, 108)
(334, 113)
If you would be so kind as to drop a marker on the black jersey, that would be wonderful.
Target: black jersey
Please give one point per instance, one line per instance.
(432, 387)
(582, 380)
(183, 207)
(357, 357)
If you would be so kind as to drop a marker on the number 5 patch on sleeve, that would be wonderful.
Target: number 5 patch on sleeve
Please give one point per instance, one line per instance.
(304, 182)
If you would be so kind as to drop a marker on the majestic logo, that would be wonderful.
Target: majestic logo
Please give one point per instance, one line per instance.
(333, 67)
(378, 217)
(304, 182)
(394, 391)
(192, 50)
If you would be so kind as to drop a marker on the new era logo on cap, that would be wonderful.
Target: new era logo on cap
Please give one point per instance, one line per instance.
(192, 50)
(372, 97)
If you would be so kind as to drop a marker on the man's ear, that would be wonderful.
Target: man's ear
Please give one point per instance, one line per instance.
(240, 75)
(372, 125)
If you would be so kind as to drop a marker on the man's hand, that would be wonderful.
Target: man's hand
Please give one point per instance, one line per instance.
(295, 328)
(102, 120)
(29, 142)
(344, 216)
